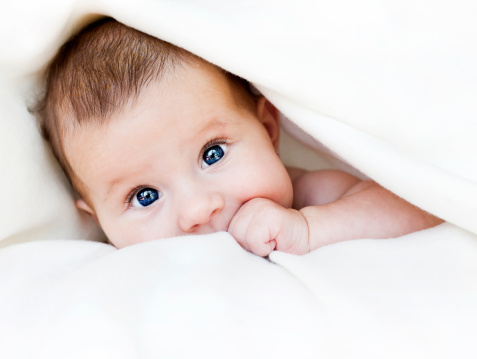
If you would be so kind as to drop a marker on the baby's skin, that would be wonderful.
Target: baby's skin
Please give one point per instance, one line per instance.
(329, 206)
(190, 155)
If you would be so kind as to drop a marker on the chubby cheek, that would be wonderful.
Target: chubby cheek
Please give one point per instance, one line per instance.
(265, 179)
(125, 232)
(281, 189)
(118, 235)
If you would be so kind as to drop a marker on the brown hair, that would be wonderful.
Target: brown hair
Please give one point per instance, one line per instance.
(96, 72)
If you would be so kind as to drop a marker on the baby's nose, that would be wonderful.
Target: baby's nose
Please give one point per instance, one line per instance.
(198, 211)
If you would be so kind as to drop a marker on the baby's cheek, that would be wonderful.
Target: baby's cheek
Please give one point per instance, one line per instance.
(282, 187)
(279, 188)
(286, 193)
(121, 233)
(115, 237)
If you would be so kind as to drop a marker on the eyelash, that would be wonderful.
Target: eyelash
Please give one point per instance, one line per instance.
(211, 143)
(132, 193)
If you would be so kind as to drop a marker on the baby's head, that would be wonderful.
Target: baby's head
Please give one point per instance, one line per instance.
(156, 141)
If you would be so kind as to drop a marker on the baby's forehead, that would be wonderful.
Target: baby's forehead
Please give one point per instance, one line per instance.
(195, 86)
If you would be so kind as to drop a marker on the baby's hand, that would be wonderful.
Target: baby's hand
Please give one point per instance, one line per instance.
(261, 226)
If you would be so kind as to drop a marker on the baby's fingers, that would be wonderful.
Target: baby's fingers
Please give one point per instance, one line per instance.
(238, 229)
(252, 234)
(259, 240)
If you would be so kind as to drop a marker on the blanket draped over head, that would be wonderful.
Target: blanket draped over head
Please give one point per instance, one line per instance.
(386, 88)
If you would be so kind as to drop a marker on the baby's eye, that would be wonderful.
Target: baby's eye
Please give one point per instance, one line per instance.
(213, 154)
(145, 197)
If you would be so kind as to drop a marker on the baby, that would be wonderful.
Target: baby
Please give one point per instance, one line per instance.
(160, 143)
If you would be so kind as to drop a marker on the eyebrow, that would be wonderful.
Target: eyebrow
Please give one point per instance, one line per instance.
(212, 124)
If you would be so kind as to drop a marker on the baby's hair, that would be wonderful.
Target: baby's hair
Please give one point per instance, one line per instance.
(95, 73)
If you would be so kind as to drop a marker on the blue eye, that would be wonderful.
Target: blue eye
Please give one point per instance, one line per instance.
(212, 155)
(145, 197)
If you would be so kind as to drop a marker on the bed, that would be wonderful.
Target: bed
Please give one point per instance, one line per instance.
(384, 89)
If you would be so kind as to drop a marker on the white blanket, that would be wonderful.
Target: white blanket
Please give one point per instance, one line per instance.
(387, 87)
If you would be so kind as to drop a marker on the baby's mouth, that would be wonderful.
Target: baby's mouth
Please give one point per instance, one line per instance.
(226, 220)
(229, 221)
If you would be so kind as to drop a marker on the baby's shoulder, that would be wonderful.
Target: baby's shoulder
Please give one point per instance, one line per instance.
(313, 188)
(296, 173)
(314, 178)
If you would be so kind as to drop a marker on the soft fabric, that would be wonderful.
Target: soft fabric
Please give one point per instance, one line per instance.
(204, 297)
(387, 88)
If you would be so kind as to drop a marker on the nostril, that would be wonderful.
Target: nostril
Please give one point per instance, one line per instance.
(188, 227)
(194, 228)
(198, 214)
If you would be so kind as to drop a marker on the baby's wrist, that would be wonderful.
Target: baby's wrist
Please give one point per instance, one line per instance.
(295, 233)
(305, 240)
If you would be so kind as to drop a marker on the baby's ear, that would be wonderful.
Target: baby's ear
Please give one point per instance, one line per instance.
(268, 115)
(82, 205)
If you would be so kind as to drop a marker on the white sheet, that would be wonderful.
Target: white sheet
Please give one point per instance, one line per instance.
(412, 297)
(388, 87)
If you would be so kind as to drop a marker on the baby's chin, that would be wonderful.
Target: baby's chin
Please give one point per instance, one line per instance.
(123, 243)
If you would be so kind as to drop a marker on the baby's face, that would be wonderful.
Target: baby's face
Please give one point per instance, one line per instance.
(180, 160)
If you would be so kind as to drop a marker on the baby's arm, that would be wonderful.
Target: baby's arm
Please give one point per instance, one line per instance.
(362, 210)
(329, 206)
